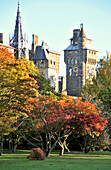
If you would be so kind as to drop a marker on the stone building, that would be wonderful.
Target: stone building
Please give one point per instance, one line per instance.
(46, 60)
(80, 58)
(62, 85)
(18, 40)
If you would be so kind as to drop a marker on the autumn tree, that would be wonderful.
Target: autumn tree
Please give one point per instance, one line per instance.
(17, 91)
(57, 119)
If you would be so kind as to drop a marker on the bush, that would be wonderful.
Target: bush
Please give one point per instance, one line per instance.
(37, 153)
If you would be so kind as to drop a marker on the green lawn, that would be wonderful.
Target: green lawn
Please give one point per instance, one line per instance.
(71, 161)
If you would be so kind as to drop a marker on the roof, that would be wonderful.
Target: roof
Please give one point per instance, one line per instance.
(41, 53)
(89, 47)
(52, 51)
(7, 46)
(71, 47)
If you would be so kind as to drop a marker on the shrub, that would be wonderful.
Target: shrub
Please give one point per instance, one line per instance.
(37, 153)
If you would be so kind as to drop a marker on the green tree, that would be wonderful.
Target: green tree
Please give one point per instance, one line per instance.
(100, 87)
(44, 85)
(99, 90)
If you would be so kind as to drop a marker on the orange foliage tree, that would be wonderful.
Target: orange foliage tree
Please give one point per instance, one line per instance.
(17, 91)
(57, 119)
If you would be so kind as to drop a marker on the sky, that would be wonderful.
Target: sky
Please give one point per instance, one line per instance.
(54, 21)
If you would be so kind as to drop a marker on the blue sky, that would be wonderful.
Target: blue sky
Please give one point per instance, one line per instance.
(54, 20)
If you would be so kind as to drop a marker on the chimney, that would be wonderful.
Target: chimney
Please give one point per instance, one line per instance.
(34, 42)
(1, 38)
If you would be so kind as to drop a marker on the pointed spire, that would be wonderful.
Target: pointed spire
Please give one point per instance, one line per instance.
(18, 5)
(82, 33)
(18, 40)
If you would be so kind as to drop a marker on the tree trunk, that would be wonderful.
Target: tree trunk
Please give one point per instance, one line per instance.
(85, 143)
(14, 147)
(1, 147)
(9, 145)
(62, 150)
(65, 145)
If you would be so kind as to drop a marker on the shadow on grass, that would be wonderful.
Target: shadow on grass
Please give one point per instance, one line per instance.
(69, 161)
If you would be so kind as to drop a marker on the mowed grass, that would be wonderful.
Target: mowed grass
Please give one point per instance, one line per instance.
(69, 161)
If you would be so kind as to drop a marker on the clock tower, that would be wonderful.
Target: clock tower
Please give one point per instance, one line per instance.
(80, 58)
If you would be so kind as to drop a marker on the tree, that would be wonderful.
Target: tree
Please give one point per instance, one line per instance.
(17, 92)
(57, 119)
(44, 85)
(100, 87)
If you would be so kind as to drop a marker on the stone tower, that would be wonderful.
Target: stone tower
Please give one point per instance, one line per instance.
(46, 60)
(18, 40)
(80, 58)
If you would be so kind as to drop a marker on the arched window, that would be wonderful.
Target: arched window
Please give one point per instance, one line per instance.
(75, 61)
(75, 70)
(70, 71)
(69, 61)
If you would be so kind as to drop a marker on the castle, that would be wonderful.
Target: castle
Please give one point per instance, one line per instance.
(46, 60)
(80, 58)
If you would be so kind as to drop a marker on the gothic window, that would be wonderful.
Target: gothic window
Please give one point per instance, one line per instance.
(70, 71)
(75, 70)
(75, 74)
(69, 61)
(90, 72)
(75, 61)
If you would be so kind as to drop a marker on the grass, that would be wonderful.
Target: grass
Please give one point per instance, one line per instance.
(69, 161)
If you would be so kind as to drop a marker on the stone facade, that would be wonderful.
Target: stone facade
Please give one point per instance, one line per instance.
(46, 60)
(80, 58)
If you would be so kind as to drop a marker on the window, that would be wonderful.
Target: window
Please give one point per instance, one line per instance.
(51, 61)
(54, 62)
(75, 70)
(72, 61)
(70, 71)
(90, 72)
(87, 70)
(70, 51)
(69, 61)
(75, 61)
